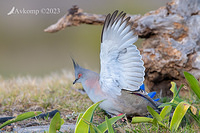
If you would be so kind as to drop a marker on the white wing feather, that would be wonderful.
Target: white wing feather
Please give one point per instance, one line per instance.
(121, 62)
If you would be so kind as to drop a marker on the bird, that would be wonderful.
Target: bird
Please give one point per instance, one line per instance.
(122, 71)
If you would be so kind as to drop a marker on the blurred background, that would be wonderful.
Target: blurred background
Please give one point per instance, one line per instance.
(26, 50)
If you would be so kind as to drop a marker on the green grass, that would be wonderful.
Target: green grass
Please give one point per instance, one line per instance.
(148, 128)
(22, 94)
(55, 91)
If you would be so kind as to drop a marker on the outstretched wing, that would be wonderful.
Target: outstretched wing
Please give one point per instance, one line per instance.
(121, 62)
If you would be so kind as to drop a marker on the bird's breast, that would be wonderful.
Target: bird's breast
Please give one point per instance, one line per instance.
(94, 91)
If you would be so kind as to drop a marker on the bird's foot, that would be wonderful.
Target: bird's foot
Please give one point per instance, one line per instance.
(122, 119)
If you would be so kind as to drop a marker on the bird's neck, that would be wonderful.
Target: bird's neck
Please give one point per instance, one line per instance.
(91, 80)
(92, 87)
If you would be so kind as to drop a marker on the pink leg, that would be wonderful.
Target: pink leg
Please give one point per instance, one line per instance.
(123, 120)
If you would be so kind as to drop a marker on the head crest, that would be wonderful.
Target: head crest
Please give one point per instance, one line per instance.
(75, 64)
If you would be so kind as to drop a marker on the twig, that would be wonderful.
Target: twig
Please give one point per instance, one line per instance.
(75, 17)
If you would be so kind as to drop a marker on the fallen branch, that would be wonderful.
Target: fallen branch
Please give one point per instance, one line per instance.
(75, 17)
(172, 40)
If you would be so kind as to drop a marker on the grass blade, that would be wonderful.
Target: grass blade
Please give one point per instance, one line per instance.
(141, 120)
(179, 90)
(193, 83)
(103, 127)
(94, 129)
(110, 128)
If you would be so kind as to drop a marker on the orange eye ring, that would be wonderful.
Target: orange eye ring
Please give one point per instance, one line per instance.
(79, 75)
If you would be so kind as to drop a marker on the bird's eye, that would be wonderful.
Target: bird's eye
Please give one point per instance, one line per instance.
(79, 75)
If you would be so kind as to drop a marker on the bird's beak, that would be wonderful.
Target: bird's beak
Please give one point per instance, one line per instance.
(75, 81)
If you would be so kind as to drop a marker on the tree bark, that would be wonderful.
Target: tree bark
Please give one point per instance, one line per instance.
(171, 45)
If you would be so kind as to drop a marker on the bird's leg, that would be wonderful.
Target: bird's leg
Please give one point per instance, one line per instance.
(122, 119)
(120, 114)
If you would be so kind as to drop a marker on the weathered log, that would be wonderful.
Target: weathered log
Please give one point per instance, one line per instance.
(171, 45)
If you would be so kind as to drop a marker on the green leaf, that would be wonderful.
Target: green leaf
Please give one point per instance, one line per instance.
(27, 115)
(21, 117)
(179, 113)
(154, 113)
(141, 120)
(177, 100)
(110, 129)
(174, 89)
(155, 122)
(165, 113)
(161, 124)
(193, 83)
(179, 90)
(79, 117)
(62, 121)
(84, 123)
(92, 130)
(103, 126)
(55, 123)
(146, 120)
(167, 104)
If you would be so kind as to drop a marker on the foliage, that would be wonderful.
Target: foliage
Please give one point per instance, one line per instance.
(21, 117)
(193, 83)
(56, 123)
(84, 122)
(182, 108)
